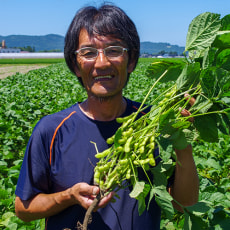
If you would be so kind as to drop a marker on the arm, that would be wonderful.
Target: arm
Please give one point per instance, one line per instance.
(45, 205)
(185, 188)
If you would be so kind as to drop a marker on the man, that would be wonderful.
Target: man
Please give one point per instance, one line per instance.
(56, 180)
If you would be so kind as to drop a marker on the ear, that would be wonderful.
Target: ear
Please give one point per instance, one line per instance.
(77, 72)
(131, 66)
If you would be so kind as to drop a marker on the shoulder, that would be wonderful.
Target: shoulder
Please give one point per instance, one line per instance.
(52, 121)
(134, 106)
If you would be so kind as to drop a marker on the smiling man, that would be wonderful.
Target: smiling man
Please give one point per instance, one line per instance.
(103, 66)
(56, 180)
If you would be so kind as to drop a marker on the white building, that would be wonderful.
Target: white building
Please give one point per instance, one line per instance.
(30, 55)
(9, 50)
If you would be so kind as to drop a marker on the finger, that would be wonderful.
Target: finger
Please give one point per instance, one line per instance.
(88, 200)
(84, 193)
(89, 190)
(191, 99)
(186, 113)
(105, 200)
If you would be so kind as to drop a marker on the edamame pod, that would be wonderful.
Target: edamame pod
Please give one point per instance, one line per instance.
(103, 154)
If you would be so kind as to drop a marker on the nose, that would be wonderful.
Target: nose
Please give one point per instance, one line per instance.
(101, 61)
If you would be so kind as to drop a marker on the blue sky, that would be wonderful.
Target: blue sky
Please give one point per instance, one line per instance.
(156, 21)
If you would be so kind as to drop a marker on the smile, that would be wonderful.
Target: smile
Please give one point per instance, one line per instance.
(103, 78)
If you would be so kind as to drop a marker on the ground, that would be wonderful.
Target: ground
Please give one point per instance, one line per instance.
(9, 69)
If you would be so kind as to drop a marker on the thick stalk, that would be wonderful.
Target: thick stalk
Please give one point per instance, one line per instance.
(89, 211)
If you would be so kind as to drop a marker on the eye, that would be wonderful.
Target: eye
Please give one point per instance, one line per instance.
(114, 51)
(88, 52)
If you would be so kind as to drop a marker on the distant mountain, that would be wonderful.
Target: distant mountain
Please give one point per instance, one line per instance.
(155, 48)
(40, 43)
(56, 42)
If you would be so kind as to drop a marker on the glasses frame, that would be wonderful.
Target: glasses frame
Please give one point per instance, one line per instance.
(99, 51)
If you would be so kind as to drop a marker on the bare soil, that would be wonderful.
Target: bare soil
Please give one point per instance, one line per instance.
(9, 69)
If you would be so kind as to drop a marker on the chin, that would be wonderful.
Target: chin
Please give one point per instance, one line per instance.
(104, 96)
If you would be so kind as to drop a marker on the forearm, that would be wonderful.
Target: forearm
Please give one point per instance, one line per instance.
(43, 205)
(185, 189)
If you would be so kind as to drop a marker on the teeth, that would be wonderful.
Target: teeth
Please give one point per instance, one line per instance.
(102, 77)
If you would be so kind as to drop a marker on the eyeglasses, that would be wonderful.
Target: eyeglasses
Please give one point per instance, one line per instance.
(111, 52)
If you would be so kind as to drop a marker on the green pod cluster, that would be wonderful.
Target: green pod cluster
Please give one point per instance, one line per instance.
(134, 150)
(132, 147)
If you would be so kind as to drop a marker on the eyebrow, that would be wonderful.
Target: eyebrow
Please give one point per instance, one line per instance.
(111, 43)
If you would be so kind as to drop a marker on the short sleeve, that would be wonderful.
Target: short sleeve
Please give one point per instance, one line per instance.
(35, 170)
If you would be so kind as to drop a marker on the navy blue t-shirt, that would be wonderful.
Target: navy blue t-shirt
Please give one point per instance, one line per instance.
(60, 154)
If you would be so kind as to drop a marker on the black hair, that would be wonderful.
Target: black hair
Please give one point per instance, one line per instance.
(107, 20)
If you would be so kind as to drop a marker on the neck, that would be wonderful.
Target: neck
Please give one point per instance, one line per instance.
(103, 109)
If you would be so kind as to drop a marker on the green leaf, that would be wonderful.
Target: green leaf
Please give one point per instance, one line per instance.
(163, 198)
(215, 82)
(193, 222)
(221, 219)
(202, 32)
(156, 69)
(222, 40)
(3, 163)
(7, 215)
(213, 164)
(166, 206)
(165, 147)
(138, 189)
(223, 59)
(207, 128)
(139, 192)
(141, 205)
(165, 125)
(42, 224)
(179, 140)
(225, 22)
(202, 104)
(12, 226)
(226, 100)
(173, 130)
(189, 77)
(219, 198)
(199, 208)
(159, 177)
(181, 124)
(209, 57)
(3, 194)
(161, 191)
(223, 123)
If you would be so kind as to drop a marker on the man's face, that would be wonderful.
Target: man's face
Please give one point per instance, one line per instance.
(102, 77)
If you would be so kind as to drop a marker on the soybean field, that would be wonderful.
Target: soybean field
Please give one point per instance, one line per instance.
(26, 98)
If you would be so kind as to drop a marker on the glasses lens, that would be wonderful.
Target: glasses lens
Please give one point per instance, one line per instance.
(88, 52)
(113, 51)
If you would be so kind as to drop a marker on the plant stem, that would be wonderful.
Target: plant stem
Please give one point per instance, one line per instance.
(143, 102)
(89, 211)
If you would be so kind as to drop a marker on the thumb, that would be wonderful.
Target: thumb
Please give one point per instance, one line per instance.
(88, 190)
(95, 190)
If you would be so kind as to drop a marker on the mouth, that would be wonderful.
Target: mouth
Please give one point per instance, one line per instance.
(103, 78)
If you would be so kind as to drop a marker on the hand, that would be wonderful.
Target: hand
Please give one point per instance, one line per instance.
(185, 112)
(84, 194)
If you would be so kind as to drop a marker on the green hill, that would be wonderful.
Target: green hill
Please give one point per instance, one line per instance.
(40, 43)
(56, 42)
(155, 48)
